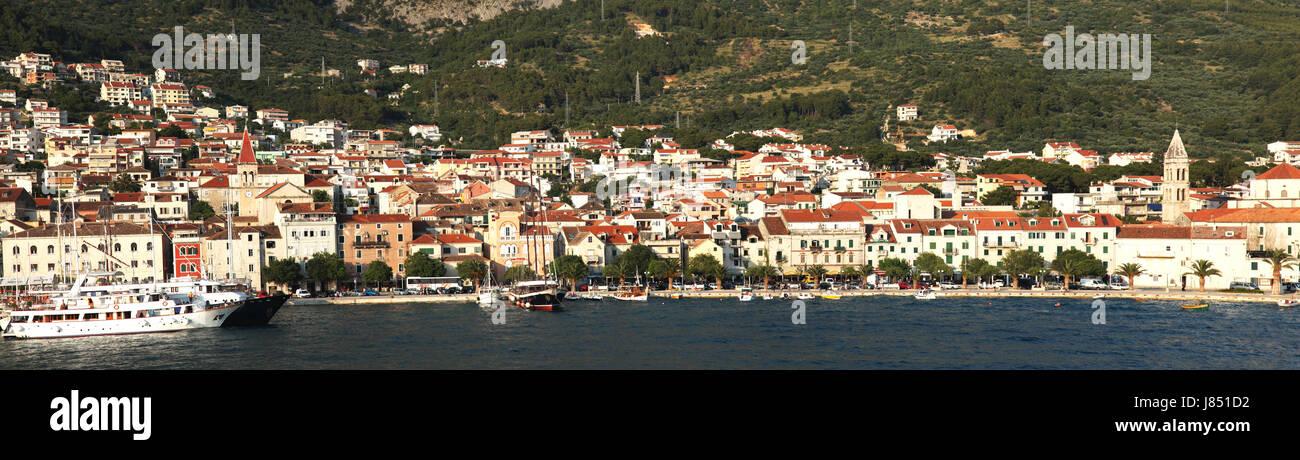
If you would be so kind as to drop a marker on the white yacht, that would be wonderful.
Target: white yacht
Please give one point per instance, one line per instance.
(93, 307)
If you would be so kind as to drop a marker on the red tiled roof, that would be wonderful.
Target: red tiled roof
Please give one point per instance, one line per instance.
(1282, 171)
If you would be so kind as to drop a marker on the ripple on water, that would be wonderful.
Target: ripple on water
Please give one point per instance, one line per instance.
(882, 333)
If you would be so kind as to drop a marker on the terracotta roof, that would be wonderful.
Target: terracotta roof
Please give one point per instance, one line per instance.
(377, 218)
(1282, 171)
(246, 150)
(775, 226)
(1171, 231)
(1247, 215)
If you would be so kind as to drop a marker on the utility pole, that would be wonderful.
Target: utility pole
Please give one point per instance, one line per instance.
(855, 10)
(638, 87)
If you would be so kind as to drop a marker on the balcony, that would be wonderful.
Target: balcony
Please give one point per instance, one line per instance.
(370, 244)
(1002, 245)
(949, 251)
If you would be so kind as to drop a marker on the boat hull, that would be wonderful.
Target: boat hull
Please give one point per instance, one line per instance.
(214, 317)
(543, 301)
(257, 311)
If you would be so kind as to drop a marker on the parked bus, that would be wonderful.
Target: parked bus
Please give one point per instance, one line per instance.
(428, 284)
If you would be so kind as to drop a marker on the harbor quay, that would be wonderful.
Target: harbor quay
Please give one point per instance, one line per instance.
(1139, 294)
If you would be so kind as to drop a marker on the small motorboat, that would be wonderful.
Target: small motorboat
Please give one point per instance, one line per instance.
(804, 296)
(572, 295)
(830, 296)
(1288, 302)
(767, 297)
(1196, 307)
(634, 294)
(1099, 296)
(746, 295)
(925, 294)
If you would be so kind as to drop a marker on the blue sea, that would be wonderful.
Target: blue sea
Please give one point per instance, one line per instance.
(882, 332)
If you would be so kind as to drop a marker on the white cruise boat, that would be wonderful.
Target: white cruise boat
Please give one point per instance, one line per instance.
(89, 309)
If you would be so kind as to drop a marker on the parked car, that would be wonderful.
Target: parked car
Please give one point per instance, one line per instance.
(369, 292)
(1119, 286)
(1092, 283)
(302, 293)
(1243, 285)
(949, 285)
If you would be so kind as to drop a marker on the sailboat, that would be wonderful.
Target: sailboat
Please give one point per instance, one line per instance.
(488, 294)
(543, 294)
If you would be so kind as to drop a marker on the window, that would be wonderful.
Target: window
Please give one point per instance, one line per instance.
(49, 249)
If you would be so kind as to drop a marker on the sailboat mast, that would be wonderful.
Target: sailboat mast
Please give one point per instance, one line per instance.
(230, 244)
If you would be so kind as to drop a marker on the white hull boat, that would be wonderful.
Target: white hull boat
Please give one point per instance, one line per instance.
(488, 297)
(69, 323)
(88, 310)
(926, 295)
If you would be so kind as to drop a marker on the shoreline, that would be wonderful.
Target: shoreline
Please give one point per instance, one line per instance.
(717, 294)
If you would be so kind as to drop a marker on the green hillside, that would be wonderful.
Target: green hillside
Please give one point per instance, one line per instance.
(1228, 80)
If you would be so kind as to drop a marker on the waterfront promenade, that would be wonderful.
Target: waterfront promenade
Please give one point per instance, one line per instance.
(1139, 294)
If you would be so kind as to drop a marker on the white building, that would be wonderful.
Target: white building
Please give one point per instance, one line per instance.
(907, 112)
(943, 133)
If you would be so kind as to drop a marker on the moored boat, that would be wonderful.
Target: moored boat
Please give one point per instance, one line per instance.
(1196, 307)
(746, 295)
(925, 294)
(1288, 302)
(633, 294)
(257, 311)
(804, 296)
(543, 295)
(88, 310)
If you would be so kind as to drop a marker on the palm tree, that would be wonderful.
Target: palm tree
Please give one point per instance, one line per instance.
(864, 271)
(1130, 271)
(614, 269)
(1067, 267)
(1202, 269)
(816, 272)
(848, 271)
(1279, 259)
(767, 272)
(672, 269)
